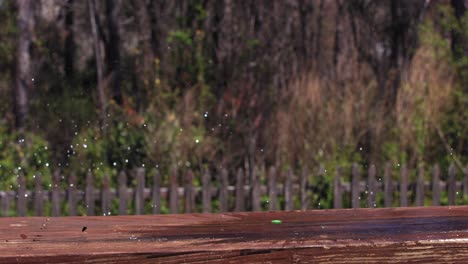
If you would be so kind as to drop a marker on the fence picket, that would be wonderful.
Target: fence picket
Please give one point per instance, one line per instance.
(139, 193)
(451, 188)
(173, 192)
(255, 193)
(123, 193)
(465, 182)
(404, 186)
(38, 195)
(21, 195)
(337, 196)
(56, 193)
(355, 190)
(388, 188)
(272, 189)
(72, 201)
(5, 203)
(436, 185)
(105, 195)
(420, 186)
(372, 189)
(89, 194)
(189, 194)
(288, 197)
(240, 198)
(304, 185)
(156, 193)
(206, 191)
(223, 191)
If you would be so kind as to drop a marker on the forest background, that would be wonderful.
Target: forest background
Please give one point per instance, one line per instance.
(103, 86)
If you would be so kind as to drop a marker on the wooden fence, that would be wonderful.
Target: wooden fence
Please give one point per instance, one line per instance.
(260, 191)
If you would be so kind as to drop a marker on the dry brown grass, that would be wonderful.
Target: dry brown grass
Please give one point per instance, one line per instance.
(422, 99)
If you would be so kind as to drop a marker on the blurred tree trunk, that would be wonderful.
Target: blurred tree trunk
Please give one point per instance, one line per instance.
(23, 78)
(69, 49)
(146, 68)
(113, 48)
(99, 64)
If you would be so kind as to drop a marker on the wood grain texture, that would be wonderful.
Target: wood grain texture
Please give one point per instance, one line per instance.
(424, 234)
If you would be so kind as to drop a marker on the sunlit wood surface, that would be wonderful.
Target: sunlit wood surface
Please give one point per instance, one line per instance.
(426, 235)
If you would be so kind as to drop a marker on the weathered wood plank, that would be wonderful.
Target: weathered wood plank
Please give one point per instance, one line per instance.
(425, 235)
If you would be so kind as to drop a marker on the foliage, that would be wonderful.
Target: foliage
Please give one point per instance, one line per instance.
(23, 153)
(120, 146)
(305, 86)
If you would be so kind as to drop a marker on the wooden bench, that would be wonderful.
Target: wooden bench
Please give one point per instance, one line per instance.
(422, 234)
